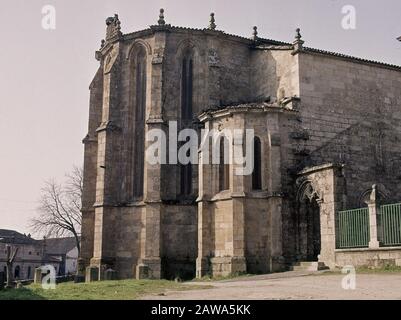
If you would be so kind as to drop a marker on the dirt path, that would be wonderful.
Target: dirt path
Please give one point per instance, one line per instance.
(293, 285)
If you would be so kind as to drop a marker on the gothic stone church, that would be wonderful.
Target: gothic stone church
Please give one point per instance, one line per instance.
(327, 128)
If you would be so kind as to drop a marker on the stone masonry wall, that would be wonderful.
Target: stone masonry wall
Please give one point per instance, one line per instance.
(352, 112)
(179, 241)
(127, 240)
(90, 169)
(258, 233)
(275, 73)
(349, 112)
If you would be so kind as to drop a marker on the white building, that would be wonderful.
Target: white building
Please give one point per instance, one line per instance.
(61, 253)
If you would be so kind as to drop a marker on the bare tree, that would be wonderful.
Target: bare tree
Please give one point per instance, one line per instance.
(60, 207)
(11, 254)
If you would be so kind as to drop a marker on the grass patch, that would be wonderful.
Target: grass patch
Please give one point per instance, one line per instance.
(383, 269)
(209, 278)
(104, 290)
(365, 270)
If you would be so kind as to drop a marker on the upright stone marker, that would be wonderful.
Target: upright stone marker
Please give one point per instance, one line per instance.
(37, 276)
(92, 274)
(110, 274)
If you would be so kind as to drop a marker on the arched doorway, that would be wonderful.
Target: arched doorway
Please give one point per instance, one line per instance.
(308, 226)
(320, 189)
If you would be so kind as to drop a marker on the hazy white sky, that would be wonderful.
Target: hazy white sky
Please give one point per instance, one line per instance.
(44, 75)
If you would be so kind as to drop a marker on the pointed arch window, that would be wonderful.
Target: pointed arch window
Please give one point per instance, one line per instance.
(257, 170)
(139, 122)
(186, 116)
(224, 166)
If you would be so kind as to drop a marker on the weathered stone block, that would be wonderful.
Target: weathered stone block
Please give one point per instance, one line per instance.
(92, 274)
(142, 272)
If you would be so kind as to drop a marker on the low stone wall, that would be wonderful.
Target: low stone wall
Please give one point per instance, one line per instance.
(225, 266)
(369, 257)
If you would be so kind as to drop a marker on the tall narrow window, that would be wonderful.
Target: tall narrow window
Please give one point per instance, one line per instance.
(187, 87)
(186, 175)
(139, 122)
(186, 117)
(257, 163)
(186, 179)
(224, 166)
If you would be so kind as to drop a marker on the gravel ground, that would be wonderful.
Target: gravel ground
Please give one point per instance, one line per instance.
(293, 285)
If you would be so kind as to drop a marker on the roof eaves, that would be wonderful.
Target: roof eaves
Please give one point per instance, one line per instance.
(260, 42)
(349, 57)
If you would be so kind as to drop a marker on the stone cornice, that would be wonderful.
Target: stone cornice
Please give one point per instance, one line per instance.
(108, 126)
(153, 201)
(215, 113)
(228, 195)
(118, 205)
(310, 170)
(140, 203)
(88, 139)
(104, 205)
(156, 120)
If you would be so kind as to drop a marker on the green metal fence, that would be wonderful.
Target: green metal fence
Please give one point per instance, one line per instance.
(390, 225)
(352, 229)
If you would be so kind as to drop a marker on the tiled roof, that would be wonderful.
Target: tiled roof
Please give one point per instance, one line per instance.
(172, 28)
(14, 237)
(53, 245)
(264, 41)
(348, 57)
(60, 246)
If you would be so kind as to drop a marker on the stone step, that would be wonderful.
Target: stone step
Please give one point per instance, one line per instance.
(308, 266)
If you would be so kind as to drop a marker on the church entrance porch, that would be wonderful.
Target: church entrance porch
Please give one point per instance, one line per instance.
(308, 230)
(320, 194)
